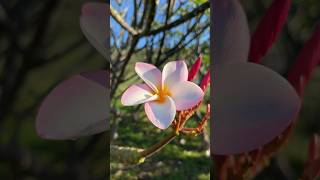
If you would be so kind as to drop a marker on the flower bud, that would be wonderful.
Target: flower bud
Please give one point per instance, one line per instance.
(205, 81)
(268, 29)
(307, 59)
(195, 68)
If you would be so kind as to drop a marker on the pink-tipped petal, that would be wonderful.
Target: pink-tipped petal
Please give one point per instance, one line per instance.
(76, 107)
(150, 74)
(161, 114)
(93, 22)
(186, 95)
(307, 59)
(195, 68)
(268, 29)
(251, 106)
(137, 94)
(231, 32)
(173, 72)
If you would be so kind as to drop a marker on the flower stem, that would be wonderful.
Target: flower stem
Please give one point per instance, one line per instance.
(156, 147)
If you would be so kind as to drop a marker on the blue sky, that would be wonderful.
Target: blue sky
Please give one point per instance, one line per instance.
(128, 6)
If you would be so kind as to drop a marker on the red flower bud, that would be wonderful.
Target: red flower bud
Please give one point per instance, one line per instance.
(195, 68)
(205, 81)
(268, 29)
(307, 59)
(314, 148)
(312, 166)
(208, 108)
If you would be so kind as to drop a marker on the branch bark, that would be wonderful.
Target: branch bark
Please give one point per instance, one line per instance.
(116, 16)
(200, 9)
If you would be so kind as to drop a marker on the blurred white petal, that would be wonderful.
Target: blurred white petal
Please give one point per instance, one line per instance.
(251, 105)
(76, 107)
(93, 22)
(231, 37)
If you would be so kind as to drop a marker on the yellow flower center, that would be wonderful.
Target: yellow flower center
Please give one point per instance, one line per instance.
(162, 93)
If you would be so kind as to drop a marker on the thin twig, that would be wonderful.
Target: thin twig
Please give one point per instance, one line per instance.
(200, 9)
(121, 21)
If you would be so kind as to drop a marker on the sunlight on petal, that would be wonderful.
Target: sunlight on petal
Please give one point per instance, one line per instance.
(173, 72)
(161, 114)
(150, 74)
(137, 94)
(186, 95)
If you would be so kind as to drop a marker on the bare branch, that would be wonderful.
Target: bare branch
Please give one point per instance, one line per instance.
(200, 9)
(116, 16)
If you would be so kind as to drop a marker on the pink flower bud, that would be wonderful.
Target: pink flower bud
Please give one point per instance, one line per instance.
(307, 59)
(208, 108)
(195, 68)
(205, 81)
(314, 147)
(268, 29)
(312, 166)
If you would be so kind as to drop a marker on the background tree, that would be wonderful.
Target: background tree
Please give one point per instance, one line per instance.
(41, 44)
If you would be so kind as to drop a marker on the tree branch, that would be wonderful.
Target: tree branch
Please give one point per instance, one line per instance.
(116, 16)
(200, 9)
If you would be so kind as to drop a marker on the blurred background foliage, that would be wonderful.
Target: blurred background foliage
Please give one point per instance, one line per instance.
(41, 44)
(303, 17)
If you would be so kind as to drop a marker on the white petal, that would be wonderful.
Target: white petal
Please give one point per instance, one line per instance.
(76, 107)
(186, 95)
(161, 114)
(150, 74)
(93, 22)
(173, 72)
(251, 105)
(137, 94)
(231, 38)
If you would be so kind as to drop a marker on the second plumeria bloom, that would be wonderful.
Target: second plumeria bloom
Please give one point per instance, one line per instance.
(163, 93)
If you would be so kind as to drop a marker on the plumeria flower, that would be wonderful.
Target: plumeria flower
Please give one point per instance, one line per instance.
(163, 93)
(78, 106)
(251, 103)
